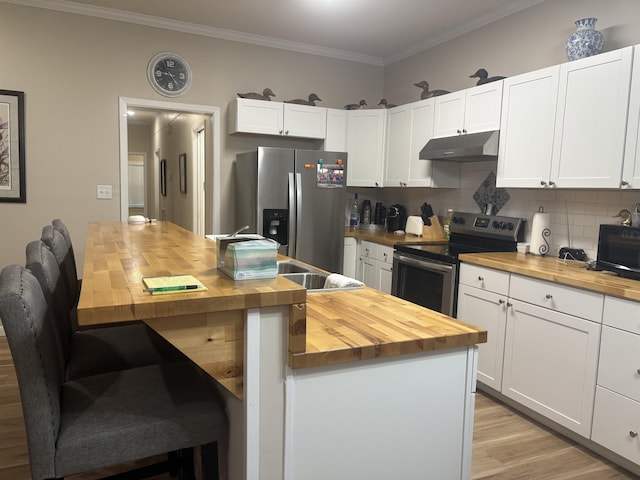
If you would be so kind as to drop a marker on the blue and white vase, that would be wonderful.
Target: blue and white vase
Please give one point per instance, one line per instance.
(587, 41)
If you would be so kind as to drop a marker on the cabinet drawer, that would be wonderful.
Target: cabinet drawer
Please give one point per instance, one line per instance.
(583, 304)
(616, 423)
(623, 314)
(484, 278)
(619, 367)
(385, 254)
(368, 249)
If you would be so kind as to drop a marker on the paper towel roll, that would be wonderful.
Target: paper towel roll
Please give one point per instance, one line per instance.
(540, 233)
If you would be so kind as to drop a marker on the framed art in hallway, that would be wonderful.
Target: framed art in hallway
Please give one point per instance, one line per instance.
(12, 159)
(163, 177)
(182, 167)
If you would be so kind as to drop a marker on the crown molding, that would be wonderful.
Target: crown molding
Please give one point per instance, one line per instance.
(196, 29)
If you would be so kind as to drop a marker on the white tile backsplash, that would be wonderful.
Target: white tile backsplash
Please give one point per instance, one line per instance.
(575, 214)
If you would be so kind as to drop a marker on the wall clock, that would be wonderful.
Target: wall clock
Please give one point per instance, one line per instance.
(169, 74)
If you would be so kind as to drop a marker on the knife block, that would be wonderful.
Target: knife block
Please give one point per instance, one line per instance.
(433, 231)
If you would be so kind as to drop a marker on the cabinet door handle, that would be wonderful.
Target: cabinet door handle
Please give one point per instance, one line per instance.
(464, 130)
(638, 371)
(624, 183)
(480, 279)
(543, 183)
(633, 434)
(281, 132)
(551, 183)
(509, 304)
(286, 132)
(548, 296)
(501, 302)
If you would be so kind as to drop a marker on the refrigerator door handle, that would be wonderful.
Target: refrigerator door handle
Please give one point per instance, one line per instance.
(291, 250)
(298, 208)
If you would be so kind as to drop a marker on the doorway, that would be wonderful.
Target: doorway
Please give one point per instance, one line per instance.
(192, 201)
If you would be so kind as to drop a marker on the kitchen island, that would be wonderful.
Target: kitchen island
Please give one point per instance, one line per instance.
(341, 384)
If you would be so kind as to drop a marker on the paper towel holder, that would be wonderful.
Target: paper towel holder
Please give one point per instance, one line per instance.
(539, 239)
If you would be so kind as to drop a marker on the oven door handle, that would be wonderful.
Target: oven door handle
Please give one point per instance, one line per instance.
(436, 267)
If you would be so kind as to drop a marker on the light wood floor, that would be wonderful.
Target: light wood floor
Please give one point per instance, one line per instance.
(506, 445)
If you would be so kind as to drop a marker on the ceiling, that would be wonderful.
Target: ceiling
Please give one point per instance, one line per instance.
(369, 31)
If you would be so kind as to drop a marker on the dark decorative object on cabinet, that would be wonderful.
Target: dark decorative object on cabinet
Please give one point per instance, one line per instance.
(426, 93)
(265, 95)
(313, 98)
(384, 104)
(356, 106)
(483, 77)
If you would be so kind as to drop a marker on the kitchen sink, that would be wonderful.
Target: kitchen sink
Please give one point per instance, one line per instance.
(310, 278)
(290, 266)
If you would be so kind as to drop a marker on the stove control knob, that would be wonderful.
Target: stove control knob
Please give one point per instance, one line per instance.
(495, 224)
(509, 226)
(458, 220)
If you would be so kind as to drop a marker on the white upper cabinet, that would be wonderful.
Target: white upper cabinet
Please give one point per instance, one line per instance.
(565, 126)
(276, 118)
(631, 165)
(527, 126)
(409, 128)
(336, 139)
(593, 101)
(472, 110)
(365, 146)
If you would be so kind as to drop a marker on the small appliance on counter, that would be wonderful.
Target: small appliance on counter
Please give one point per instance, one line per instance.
(396, 218)
(619, 250)
(415, 226)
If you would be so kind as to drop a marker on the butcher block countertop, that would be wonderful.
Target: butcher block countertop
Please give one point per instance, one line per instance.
(553, 269)
(390, 239)
(325, 327)
(362, 324)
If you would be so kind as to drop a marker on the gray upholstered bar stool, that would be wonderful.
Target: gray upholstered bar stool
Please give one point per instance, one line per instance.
(96, 350)
(103, 420)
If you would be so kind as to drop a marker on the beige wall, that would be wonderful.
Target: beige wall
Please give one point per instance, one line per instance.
(74, 68)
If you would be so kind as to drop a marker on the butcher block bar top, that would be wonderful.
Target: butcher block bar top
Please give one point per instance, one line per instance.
(553, 269)
(324, 327)
(118, 255)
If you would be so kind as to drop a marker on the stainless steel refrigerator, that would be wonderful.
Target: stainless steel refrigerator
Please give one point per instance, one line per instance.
(296, 197)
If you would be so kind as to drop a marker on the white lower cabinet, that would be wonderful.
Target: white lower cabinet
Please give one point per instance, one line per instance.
(616, 419)
(350, 258)
(482, 301)
(550, 364)
(375, 264)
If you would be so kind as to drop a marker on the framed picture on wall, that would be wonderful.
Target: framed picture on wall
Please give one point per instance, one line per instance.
(12, 158)
(163, 177)
(182, 167)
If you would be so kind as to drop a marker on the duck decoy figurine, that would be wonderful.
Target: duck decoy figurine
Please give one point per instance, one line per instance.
(625, 215)
(483, 77)
(313, 98)
(384, 104)
(356, 106)
(426, 93)
(266, 95)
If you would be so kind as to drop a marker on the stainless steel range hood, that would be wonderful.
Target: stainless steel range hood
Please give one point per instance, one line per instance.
(472, 147)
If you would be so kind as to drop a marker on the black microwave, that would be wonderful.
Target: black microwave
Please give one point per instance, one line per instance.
(619, 250)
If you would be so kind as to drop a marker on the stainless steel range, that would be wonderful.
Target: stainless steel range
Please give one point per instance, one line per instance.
(428, 274)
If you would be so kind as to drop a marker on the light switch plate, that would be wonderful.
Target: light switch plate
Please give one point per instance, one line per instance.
(104, 192)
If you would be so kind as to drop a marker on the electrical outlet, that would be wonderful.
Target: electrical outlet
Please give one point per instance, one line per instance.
(104, 192)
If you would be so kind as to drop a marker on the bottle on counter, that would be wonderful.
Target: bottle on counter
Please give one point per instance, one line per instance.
(366, 212)
(447, 222)
(354, 217)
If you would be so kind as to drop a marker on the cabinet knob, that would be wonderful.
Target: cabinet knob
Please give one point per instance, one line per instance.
(548, 296)
(543, 183)
(464, 131)
(509, 304)
(633, 434)
(480, 279)
(551, 184)
(286, 132)
(501, 302)
(638, 371)
(459, 132)
(624, 183)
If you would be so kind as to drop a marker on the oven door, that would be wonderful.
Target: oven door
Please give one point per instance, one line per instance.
(427, 282)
